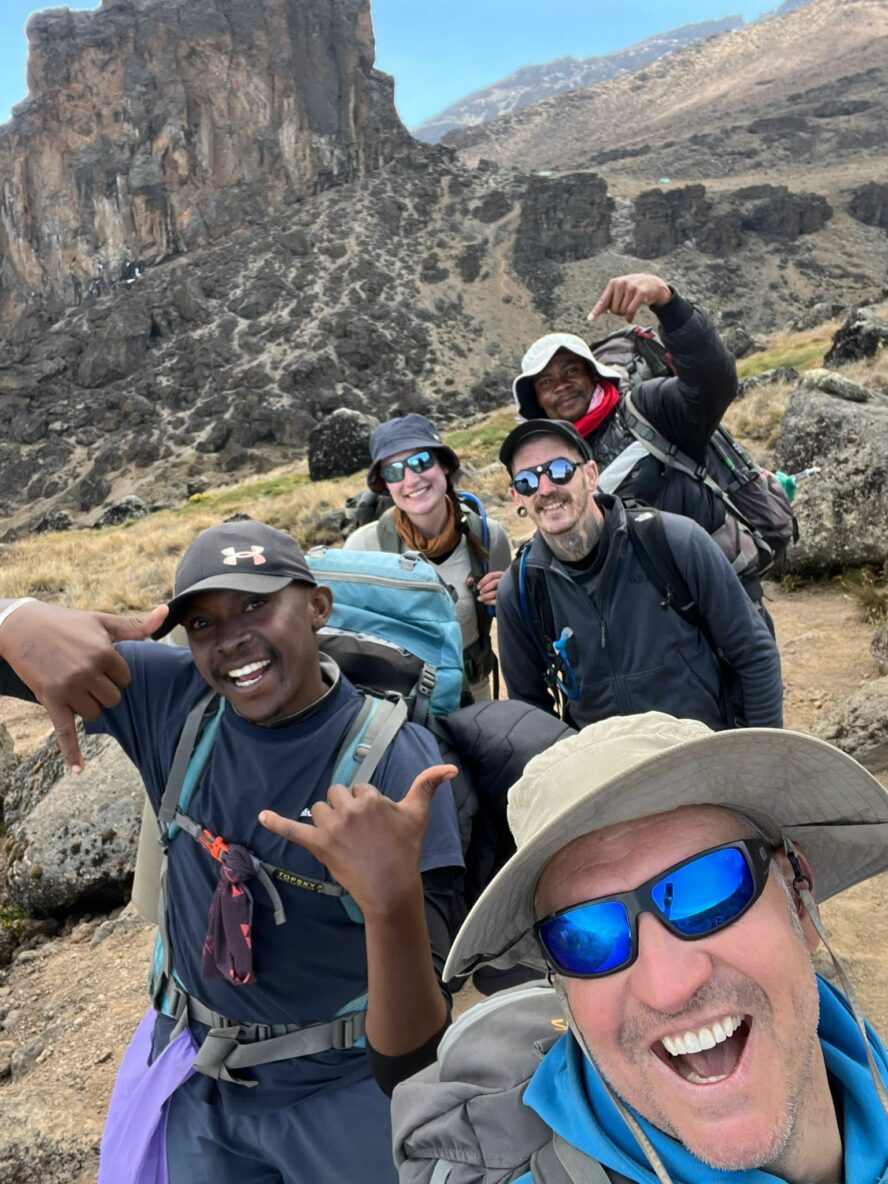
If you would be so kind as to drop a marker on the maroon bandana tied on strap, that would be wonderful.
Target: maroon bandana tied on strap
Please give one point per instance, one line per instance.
(228, 946)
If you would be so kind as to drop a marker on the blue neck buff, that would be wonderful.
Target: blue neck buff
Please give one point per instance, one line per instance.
(568, 1094)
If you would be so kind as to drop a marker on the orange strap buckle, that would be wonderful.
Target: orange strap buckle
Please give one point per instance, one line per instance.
(215, 844)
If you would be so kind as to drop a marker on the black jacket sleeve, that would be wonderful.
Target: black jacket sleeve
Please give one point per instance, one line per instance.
(687, 408)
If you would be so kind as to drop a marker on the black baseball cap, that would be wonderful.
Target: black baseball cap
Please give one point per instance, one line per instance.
(243, 556)
(542, 427)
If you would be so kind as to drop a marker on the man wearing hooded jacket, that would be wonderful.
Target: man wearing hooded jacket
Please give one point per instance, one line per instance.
(561, 379)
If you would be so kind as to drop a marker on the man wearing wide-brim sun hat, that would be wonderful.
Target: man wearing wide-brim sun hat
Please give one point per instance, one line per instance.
(666, 879)
(677, 399)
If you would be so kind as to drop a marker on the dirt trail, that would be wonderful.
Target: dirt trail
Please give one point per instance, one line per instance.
(71, 1006)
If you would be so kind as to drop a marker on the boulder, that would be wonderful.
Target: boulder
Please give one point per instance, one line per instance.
(8, 762)
(779, 374)
(835, 384)
(73, 843)
(863, 334)
(740, 341)
(54, 521)
(126, 510)
(859, 725)
(340, 445)
(869, 204)
(843, 512)
(879, 648)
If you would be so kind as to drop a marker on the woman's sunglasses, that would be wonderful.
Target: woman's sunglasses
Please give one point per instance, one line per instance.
(693, 899)
(559, 471)
(394, 472)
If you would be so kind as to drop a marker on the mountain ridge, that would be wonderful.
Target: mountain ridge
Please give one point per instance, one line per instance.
(531, 84)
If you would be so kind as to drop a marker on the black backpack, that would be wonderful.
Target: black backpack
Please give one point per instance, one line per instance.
(755, 502)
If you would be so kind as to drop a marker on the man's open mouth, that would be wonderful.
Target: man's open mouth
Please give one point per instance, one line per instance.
(706, 1055)
(247, 676)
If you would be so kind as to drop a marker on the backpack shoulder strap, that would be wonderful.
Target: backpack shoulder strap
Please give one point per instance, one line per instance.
(195, 741)
(533, 598)
(367, 740)
(386, 533)
(559, 1162)
(648, 538)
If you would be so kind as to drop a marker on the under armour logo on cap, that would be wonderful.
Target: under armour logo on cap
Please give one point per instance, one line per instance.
(230, 556)
(239, 556)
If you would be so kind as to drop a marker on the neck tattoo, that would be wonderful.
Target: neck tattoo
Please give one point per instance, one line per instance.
(574, 545)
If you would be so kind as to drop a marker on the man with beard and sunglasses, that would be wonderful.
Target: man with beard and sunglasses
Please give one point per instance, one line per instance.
(665, 878)
(585, 623)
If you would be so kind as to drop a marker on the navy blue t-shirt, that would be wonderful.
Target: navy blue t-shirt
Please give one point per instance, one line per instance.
(315, 963)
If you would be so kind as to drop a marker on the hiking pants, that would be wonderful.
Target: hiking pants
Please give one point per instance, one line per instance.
(341, 1136)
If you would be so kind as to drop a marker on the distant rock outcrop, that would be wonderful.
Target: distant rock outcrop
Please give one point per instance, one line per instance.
(136, 151)
(862, 335)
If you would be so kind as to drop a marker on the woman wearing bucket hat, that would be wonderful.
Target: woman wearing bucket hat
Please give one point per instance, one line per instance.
(416, 469)
(665, 876)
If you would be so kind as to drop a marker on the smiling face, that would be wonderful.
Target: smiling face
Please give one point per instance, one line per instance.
(421, 495)
(714, 1041)
(557, 509)
(260, 651)
(564, 387)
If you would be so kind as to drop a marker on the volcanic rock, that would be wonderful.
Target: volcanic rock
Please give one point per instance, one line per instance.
(869, 204)
(843, 513)
(835, 384)
(859, 725)
(73, 839)
(862, 335)
(879, 648)
(340, 445)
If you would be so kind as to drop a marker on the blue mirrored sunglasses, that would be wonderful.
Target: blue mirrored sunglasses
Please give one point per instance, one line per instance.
(692, 899)
(394, 472)
(559, 471)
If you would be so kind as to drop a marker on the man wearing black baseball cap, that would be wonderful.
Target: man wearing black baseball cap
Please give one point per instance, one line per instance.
(304, 932)
(612, 612)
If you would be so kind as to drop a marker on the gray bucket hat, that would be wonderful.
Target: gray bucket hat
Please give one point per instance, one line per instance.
(397, 435)
(242, 556)
(633, 767)
(538, 358)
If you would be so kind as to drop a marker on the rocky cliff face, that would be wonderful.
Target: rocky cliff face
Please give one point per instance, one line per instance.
(214, 233)
(157, 126)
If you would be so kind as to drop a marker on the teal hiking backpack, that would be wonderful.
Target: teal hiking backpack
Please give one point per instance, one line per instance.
(393, 627)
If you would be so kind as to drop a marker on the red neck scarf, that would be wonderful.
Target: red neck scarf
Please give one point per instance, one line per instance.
(604, 400)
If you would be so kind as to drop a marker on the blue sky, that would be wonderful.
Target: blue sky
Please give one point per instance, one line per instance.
(441, 50)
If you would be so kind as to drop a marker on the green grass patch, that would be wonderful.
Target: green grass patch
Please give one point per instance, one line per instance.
(12, 920)
(799, 357)
(479, 445)
(233, 499)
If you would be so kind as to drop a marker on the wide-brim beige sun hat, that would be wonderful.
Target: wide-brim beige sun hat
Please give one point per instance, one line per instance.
(539, 355)
(632, 767)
